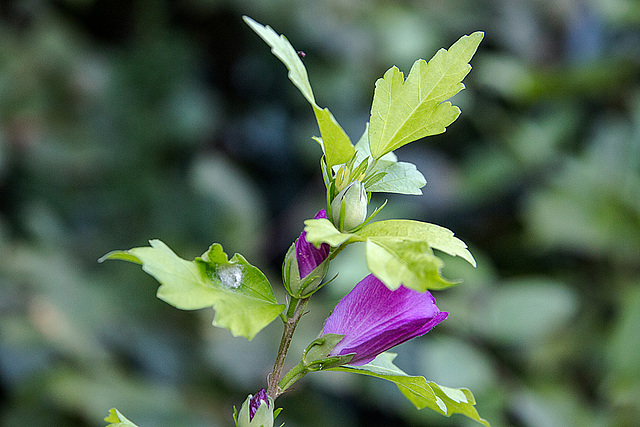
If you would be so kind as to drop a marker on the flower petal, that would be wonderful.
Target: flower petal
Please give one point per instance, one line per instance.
(307, 255)
(257, 400)
(373, 319)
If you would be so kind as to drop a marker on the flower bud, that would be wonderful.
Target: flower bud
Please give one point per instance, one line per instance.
(305, 265)
(256, 411)
(351, 205)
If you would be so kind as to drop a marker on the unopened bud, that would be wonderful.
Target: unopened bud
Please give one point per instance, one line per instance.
(256, 411)
(349, 208)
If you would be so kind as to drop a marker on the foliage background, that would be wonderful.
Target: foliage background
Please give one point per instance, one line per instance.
(124, 121)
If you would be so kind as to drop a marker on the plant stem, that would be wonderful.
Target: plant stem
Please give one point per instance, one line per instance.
(294, 313)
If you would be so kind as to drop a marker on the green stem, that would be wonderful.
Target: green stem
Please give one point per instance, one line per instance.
(294, 314)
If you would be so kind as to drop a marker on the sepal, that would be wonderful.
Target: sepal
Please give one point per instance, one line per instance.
(316, 356)
(301, 287)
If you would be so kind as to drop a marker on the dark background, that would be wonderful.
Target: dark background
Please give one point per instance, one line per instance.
(122, 121)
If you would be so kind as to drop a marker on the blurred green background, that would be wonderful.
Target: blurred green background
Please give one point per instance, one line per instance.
(122, 121)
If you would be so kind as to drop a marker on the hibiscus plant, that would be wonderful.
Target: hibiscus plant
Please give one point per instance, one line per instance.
(388, 307)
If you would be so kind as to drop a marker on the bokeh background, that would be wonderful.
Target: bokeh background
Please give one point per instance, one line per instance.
(122, 121)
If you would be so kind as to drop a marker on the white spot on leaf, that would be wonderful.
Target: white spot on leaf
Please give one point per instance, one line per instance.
(230, 276)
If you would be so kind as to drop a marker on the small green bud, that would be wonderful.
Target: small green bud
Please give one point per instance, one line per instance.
(349, 208)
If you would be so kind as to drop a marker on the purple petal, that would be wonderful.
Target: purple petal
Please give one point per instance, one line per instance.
(256, 401)
(373, 319)
(307, 255)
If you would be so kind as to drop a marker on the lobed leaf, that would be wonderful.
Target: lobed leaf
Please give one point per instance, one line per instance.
(418, 390)
(335, 143)
(404, 111)
(240, 293)
(437, 237)
(398, 251)
(410, 263)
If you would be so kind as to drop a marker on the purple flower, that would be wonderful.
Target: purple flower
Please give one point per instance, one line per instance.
(256, 401)
(307, 255)
(373, 319)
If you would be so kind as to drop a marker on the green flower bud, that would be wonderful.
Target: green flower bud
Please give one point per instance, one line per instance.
(349, 208)
(256, 411)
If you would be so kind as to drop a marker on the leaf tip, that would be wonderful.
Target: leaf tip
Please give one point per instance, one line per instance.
(249, 21)
(121, 255)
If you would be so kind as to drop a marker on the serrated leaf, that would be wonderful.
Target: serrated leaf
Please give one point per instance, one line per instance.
(410, 263)
(335, 143)
(240, 293)
(398, 251)
(437, 237)
(404, 111)
(323, 231)
(418, 390)
(116, 419)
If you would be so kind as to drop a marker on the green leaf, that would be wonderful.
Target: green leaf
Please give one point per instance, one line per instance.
(421, 392)
(404, 111)
(335, 143)
(323, 231)
(116, 419)
(283, 50)
(397, 177)
(403, 262)
(363, 151)
(398, 251)
(239, 292)
(437, 237)
(400, 177)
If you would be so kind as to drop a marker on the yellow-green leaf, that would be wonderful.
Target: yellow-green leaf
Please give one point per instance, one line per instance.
(335, 143)
(404, 111)
(410, 263)
(323, 231)
(239, 292)
(435, 236)
(418, 390)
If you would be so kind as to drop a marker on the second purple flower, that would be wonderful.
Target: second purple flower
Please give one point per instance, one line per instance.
(374, 319)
